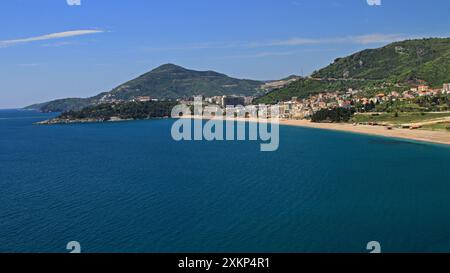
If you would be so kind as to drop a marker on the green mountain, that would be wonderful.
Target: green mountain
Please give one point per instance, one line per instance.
(116, 112)
(165, 82)
(62, 105)
(400, 63)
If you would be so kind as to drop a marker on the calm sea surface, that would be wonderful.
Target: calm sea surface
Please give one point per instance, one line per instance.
(128, 187)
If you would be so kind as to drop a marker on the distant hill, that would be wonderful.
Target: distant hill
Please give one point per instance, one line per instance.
(116, 112)
(425, 59)
(406, 62)
(271, 85)
(168, 81)
(62, 105)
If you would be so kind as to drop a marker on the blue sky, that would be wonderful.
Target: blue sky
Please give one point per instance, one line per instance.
(51, 50)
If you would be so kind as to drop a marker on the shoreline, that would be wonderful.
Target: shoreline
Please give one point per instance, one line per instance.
(87, 121)
(436, 137)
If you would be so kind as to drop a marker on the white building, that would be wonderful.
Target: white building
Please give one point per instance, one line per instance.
(143, 99)
(446, 88)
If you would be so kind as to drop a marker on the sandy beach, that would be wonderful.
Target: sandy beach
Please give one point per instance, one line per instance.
(417, 135)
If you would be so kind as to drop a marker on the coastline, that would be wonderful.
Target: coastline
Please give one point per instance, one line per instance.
(81, 121)
(436, 137)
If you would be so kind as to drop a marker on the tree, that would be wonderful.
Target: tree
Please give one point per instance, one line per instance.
(333, 115)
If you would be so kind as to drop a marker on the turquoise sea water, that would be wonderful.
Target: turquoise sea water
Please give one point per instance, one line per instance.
(128, 187)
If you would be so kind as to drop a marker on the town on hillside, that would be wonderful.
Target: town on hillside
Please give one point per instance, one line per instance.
(298, 108)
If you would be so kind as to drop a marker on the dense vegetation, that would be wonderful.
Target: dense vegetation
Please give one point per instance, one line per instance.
(398, 118)
(332, 115)
(392, 67)
(128, 110)
(165, 82)
(419, 104)
(411, 60)
(306, 87)
(62, 105)
(172, 82)
(436, 103)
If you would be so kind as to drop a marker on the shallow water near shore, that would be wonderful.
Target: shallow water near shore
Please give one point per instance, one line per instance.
(128, 187)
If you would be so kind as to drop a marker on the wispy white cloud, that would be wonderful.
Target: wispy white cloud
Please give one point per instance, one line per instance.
(293, 42)
(379, 38)
(195, 46)
(260, 55)
(51, 36)
(28, 65)
(361, 39)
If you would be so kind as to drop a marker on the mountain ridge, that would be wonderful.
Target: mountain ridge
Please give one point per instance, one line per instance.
(400, 63)
(404, 63)
(166, 82)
